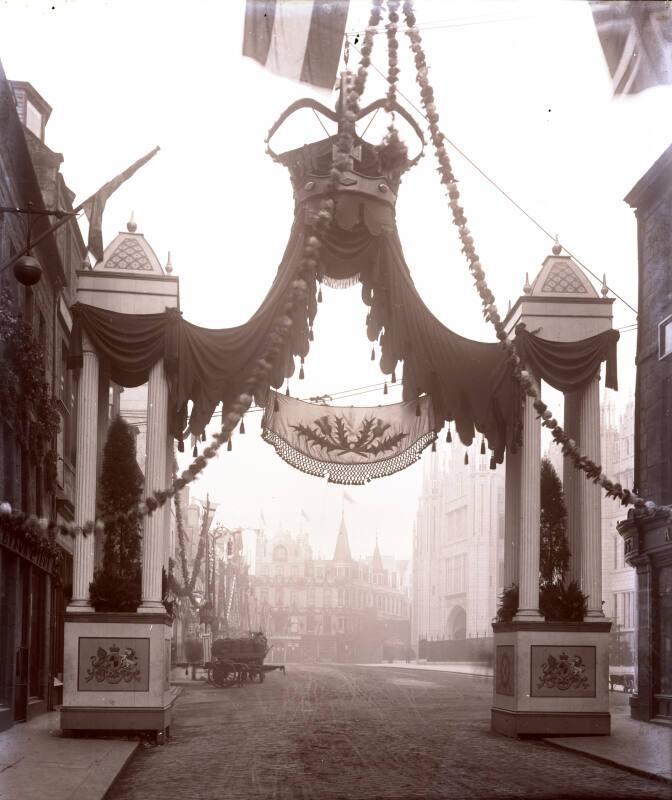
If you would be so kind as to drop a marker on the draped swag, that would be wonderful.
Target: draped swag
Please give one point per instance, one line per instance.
(469, 382)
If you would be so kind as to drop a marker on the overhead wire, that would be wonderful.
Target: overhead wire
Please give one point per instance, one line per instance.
(503, 192)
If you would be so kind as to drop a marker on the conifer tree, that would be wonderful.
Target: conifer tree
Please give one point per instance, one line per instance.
(117, 585)
(554, 550)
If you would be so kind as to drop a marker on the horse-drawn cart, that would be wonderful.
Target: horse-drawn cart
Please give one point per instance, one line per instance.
(238, 661)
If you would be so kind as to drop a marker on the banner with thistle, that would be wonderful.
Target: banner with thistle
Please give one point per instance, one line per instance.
(348, 445)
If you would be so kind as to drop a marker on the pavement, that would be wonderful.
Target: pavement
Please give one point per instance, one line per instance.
(344, 705)
(37, 763)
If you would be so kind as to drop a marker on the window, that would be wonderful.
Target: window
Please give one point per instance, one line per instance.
(33, 120)
(665, 338)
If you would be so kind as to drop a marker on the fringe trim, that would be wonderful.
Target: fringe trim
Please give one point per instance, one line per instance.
(349, 474)
(341, 283)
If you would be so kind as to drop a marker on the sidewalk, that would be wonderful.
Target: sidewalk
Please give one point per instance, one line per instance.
(644, 748)
(37, 763)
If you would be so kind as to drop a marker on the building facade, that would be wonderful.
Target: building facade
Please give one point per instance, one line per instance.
(34, 479)
(457, 546)
(339, 609)
(647, 533)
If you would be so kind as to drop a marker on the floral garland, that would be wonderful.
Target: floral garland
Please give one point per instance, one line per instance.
(26, 400)
(490, 312)
(38, 533)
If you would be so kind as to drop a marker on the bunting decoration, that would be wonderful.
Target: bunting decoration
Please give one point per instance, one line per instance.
(349, 445)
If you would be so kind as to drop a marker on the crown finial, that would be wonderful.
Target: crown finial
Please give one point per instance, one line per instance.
(169, 264)
(604, 291)
(132, 225)
(557, 247)
(527, 288)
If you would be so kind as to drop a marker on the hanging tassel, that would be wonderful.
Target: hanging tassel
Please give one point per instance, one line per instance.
(417, 409)
(229, 446)
(180, 446)
(493, 463)
(483, 445)
(287, 390)
(195, 453)
(311, 338)
(449, 435)
(242, 426)
(302, 374)
(276, 405)
(385, 388)
(373, 354)
(319, 294)
(466, 457)
(203, 437)
(434, 446)
(394, 376)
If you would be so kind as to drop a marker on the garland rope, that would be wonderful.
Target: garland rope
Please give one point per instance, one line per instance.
(570, 450)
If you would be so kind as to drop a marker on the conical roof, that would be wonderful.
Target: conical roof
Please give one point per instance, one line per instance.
(342, 549)
(130, 252)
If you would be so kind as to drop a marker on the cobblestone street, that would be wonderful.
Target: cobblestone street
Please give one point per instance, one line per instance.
(357, 732)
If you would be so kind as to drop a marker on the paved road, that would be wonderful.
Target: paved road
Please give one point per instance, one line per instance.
(322, 733)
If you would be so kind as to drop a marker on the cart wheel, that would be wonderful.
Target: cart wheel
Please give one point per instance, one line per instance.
(224, 675)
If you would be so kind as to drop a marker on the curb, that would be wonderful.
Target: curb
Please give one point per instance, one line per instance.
(118, 773)
(642, 773)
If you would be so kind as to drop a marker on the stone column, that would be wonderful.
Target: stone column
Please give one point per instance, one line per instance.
(155, 472)
(530, 511)
(590, 499)
(85, 476)
(571, 477)
(169, 543)
(511, 517)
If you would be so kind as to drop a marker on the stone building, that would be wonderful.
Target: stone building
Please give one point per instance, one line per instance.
(31, 587)
(339, 609)
(458, 545)
(647, 534)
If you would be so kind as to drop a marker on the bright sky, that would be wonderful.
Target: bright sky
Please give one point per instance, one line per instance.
(521, 87)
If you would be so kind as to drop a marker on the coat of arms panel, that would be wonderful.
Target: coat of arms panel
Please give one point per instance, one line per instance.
(113, 664)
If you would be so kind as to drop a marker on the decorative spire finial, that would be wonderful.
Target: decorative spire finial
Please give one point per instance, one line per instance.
(131, 225)
(169, 264)
(527, 288)
(605, 289)
(557, 247)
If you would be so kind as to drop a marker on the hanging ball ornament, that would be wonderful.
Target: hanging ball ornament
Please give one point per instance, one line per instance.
(5, 508)
(27, 270)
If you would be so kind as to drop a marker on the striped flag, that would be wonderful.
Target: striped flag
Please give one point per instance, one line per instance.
(298, 39)
(95, 205)
(636, 38)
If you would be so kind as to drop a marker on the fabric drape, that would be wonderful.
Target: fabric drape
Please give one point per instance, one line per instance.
(569, 366)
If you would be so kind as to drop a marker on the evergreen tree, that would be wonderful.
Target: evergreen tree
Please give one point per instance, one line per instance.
(117, 585)
(554, 553)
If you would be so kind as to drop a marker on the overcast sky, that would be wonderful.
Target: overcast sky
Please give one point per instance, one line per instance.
(521, 87)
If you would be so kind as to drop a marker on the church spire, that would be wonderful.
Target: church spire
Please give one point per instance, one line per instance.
(377, 561)
(342, 550)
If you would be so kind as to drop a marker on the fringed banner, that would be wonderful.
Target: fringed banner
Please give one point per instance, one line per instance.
(345, 444)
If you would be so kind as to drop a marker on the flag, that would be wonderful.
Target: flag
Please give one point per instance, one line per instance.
(95, 205)
(298, 39)
(636, 39)
(305, 516)
(347, 498)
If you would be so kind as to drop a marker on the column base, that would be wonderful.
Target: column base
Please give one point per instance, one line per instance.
(549, 723)
(79, 606)
(151, 607)
(594, 615)
(528, 615)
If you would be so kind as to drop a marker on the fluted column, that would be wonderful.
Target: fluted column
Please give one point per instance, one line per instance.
(530, 512)
(85, 476)
(155, 477)
(590, 499)
(169, 544)
(511, 517)
(571, 478)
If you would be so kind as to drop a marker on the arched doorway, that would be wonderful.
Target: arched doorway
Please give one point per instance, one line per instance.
(456, 624)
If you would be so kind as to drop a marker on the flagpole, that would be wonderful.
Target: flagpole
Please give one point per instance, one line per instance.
(68, 216)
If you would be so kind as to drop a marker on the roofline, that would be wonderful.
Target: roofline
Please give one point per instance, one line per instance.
(655, 181)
